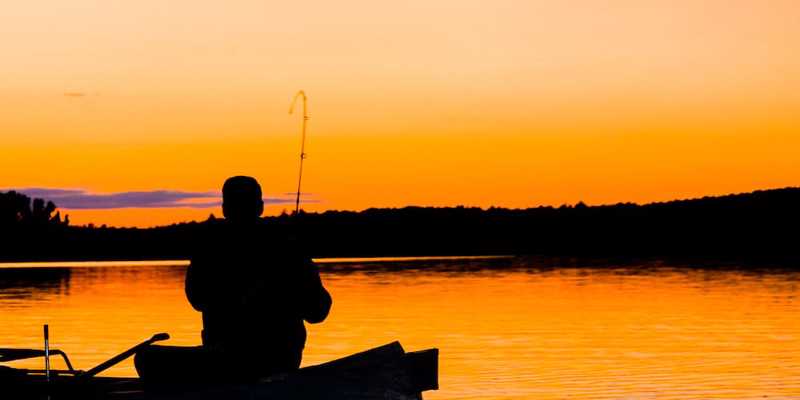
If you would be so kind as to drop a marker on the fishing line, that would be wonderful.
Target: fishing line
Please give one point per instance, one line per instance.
(300, 94)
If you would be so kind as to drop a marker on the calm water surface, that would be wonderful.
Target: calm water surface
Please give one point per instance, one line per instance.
(504, 332)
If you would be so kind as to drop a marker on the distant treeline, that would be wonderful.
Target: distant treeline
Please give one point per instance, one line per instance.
(763, 226)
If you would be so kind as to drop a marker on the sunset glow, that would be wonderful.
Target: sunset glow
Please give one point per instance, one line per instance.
(435, 103)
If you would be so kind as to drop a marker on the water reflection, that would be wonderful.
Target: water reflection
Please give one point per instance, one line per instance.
(508, 328)
(17, 284)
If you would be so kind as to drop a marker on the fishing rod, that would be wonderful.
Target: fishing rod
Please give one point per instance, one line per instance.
(300, 94)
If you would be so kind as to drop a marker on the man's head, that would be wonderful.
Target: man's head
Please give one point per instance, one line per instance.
(241, 199)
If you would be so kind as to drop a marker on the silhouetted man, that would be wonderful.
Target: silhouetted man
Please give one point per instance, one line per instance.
(254, 290)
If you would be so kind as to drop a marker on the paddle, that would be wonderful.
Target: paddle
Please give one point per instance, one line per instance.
(122, 356)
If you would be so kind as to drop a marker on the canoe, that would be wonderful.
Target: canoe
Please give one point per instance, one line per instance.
(387, 373)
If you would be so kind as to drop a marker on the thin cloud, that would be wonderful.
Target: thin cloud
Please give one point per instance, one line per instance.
(82, 199)
(302, 194)
(78, 199)
(74, 94)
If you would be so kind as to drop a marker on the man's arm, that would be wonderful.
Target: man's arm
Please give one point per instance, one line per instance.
(316, 301)
(196, 286)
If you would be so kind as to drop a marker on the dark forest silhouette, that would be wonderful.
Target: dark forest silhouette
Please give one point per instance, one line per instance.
(18, 211)
(758, 226)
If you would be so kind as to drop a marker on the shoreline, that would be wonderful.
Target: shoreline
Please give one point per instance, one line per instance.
(183, 263)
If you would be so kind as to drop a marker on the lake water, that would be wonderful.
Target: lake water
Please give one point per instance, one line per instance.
(506, 329)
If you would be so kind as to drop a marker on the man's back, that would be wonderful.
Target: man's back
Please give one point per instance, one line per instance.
(254, 290)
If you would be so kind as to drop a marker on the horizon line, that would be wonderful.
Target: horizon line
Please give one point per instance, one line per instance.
(284, 213)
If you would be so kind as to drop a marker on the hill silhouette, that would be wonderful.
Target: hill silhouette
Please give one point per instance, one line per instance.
(761, 226)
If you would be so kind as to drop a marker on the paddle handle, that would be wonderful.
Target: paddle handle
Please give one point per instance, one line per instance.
(122, 356)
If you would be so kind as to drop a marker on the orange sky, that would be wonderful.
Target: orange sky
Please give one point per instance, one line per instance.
(507, 103)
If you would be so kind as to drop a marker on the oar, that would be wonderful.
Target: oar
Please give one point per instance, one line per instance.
(122, 356)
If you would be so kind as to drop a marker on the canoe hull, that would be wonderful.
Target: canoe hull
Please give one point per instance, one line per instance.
(385, 372)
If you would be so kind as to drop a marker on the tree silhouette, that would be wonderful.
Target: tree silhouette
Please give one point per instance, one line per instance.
(17, 209)
(760, 227)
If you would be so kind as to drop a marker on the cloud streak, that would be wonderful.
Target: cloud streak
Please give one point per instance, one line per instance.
(78, 199)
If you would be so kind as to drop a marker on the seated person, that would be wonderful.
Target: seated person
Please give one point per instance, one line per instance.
(254, 289)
